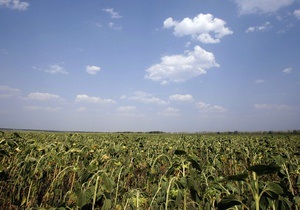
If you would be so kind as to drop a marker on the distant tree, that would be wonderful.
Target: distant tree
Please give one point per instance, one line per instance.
(295, 131)
(156, 132)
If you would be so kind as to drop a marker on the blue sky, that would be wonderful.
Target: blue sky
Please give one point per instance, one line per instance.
(130, 65)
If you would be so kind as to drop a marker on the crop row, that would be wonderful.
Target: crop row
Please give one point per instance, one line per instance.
(44, 170)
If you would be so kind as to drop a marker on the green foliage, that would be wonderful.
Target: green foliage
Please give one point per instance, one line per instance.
(228, 202)
(48, 170)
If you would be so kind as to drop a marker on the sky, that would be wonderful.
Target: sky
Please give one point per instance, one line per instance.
(159, 65)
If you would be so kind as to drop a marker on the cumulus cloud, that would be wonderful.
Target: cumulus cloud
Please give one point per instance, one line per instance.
(182, 98)
(297, 13)
(39, 108)
(145, 98)
(56, 69)
(43, 96)
(204, 28)
(7, 92)
(112, 13)
(92, 99)
(287, 70)
(265, 27)
(92, 69)
(14, 4)
(277, 107)
(171, 112)
(210, 108)
(261, 6)
(179, 68)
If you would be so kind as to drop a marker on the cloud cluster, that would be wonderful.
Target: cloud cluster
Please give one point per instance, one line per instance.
(7, 92)
(113, 14)
(192, 63)
(145, 98)
(170, 112)
(287, 70)
(92, 69)
(14, 4)
(179, 68)
(202, 106)
(114, 26)
(50, 102)
(40, 108)
(265, 27)
(204, 28)
(92, 99)
(261, 6)
(43, 96)
(56, 69)
(277, 107)
(181, 98)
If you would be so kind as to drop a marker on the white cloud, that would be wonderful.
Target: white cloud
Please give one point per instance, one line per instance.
(7, 92)
(259, 81)
(265, 27)
(204, 28)
(179, 68)
(182, 98)
(114, 26)
(170, 112)
(287, 70)
(91, 99)
(39, 108)
(261, 6)
(56, 69)
(188, 44)
(145, 98)
(126, 108)
(92, 69)
(277, 107)
(250, 29)
(297, 13)
(14, 4)
(112, 13)
(210, 108)
(43, 96)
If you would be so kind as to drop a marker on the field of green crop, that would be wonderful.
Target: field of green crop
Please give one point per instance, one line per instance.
(48, 170)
